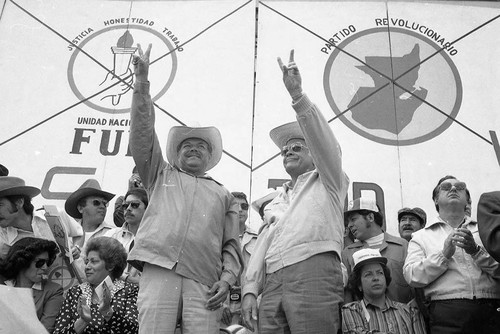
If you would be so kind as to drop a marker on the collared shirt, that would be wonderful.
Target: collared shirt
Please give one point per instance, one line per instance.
(461, 276)
(191, 221)
(35, 286)
(123, 235)
(394, 318)
(9, 235)
(308, 219)
(394, 249)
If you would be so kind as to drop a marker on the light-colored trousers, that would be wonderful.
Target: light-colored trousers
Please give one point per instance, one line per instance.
(165, 298)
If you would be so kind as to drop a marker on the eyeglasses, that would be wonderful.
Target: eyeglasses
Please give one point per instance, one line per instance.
(244, 206)
(40, 262)
(97, 202)
(295, 147)
(446, 186)
(134, 205)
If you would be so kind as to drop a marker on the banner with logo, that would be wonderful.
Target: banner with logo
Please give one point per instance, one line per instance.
(408, 88)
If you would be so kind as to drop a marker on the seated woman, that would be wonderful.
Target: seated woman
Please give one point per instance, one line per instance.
(375, 312)
(25, 266)
(105, 303)
(134, 205)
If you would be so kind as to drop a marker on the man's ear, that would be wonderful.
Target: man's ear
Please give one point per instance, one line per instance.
(370, 217)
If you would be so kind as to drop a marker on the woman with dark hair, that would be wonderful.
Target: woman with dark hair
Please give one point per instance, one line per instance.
(105, 303)
(25, 266)
(375, 312)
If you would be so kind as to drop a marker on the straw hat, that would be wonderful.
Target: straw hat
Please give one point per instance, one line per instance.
(282, 134)
(209, 134)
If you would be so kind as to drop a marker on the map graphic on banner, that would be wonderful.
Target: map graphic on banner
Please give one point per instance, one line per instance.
(407, 86)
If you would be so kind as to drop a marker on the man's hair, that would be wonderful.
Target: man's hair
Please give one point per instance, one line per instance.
(23, 252)
(27, 206)
(239, 194)
(139, 192)
(111, 251)
(435, 191)
(379, 219)
(355, 280)
(208, 144)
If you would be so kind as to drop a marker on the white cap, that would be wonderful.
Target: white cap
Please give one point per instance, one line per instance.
(367, 255)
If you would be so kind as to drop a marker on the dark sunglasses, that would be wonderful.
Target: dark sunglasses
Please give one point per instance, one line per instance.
(244, 206)
(295, 147)
(134, 205)
(97, 202)
(446, 186)
(40, 262)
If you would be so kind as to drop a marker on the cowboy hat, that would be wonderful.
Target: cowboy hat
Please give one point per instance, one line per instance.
(90, 187)
(258, 203)
(209, 134)
(10, 186)
(282, 134)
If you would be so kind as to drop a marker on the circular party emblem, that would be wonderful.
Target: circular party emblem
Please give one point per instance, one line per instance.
(405, 93)
(112, 49)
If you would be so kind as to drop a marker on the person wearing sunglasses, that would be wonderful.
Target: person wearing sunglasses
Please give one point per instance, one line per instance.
(448, 260)
(134, 205)
(296, 260)
(133, 182)
(26, 266)
(104, 303)
(88, 204)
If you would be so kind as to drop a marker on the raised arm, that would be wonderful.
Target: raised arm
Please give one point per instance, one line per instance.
(144, 143)
(318, 135)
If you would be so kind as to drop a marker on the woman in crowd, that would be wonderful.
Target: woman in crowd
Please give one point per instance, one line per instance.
(134, 205)
(375, 312)
(105, 303)
(25, 266)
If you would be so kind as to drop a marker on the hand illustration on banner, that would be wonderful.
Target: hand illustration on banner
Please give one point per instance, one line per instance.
(122, 56)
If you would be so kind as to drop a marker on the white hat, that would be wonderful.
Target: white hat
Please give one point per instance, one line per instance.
(362, 204)
(257, 204)
(367, 255)
(282, 134)
(209, 134)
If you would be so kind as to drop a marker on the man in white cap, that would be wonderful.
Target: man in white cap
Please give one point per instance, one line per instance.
(17, 215)
(365, 222)
(296, 261)
(187, 244)
(376, 312)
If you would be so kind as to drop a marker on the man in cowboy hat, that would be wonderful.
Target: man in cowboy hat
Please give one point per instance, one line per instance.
(298, 249)
(17, 217)
(365, 222)
(187, 244)
(88, 204)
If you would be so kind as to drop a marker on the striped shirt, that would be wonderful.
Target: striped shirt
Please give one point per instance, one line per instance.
(395, 318)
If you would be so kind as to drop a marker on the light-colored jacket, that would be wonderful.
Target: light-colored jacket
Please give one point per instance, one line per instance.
(461, 276)
(308, 219)
(191, 222)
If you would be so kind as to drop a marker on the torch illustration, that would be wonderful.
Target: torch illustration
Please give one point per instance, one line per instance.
(122, 56)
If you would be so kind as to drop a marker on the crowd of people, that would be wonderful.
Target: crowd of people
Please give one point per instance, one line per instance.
(180, 257)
